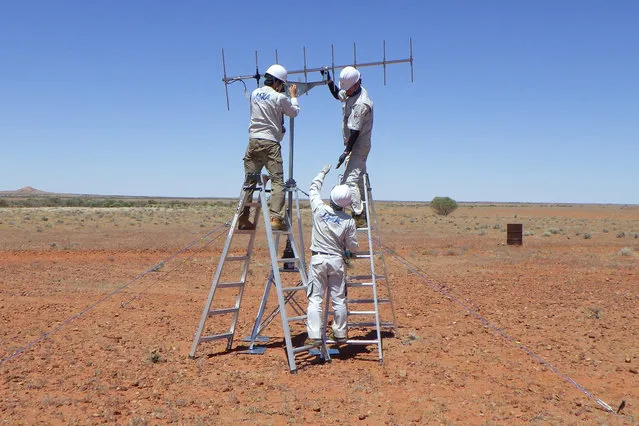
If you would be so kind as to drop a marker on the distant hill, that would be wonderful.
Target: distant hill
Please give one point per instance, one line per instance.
(27, 190)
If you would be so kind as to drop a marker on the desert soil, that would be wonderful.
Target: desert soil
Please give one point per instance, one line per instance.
(98, 308)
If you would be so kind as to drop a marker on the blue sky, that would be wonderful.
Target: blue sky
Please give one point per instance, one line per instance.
(512, 101)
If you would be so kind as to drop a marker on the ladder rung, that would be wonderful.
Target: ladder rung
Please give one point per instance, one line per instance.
(296, 288)
(223, 311)
(371, 324)
(215, 337)
(287, 232)
(363, 277)
(366, 253)
(305, 348)
(230, 284)
(357, 342)
(367, 300)
(354, 285)
(361, 312)
(232, 258)
(288, 259)
(298, 318)
(289, 270)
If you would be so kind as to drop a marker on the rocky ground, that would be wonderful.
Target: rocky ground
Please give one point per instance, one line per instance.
(98, 308)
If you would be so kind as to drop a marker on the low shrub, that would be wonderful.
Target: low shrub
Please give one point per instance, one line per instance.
(443, 206)
(626, 251)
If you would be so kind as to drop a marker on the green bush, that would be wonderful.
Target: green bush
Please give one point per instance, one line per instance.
(443, 206)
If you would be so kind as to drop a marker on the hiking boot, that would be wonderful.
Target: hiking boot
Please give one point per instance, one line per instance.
(244, 223)
(278, 224)
(360, 220)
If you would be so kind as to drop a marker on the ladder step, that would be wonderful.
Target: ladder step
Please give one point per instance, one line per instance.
(386, 324)
(223, 311)
(235, 258)
(288, 259)
(289, 270)
(305, 348)
(287, 232)
(366, 253)
(297, 318)
(216, 337)
(363, 277)
(361, 312)
(230, 284)
(355, 285)
(367, 300)
(296, 288)
(357, 342)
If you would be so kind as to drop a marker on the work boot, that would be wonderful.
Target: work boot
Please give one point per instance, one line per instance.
(360, 219)
(340, 340)
(312, 342)
(278, 224)
(244, 223)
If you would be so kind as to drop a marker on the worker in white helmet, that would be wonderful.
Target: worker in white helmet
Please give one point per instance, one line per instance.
(268, 105)
(357, 126)
(332, 239)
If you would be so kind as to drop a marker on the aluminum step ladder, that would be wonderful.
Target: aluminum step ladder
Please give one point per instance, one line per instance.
(369, 300)
(231, 303)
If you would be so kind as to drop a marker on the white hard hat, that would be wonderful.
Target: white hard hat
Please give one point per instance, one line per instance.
(341, 195)
(278, 72)
(348, 77)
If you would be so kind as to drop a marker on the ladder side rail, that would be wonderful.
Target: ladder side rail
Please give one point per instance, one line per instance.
(243, 275)
(378, 238)
(260, 313)
(216, 278)
(298, 255)
(372, 263)
(278, 283)
(300, 229)
(257, 326)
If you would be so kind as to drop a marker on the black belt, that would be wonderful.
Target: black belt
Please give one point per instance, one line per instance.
(313, 253)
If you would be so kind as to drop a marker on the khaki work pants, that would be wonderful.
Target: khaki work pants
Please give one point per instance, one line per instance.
(265, 153)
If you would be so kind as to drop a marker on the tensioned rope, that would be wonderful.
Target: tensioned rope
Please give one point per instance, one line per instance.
(414, 269)
(212, 240)
(108, 296)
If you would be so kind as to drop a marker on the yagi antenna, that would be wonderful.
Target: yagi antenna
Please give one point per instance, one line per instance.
(304, 87)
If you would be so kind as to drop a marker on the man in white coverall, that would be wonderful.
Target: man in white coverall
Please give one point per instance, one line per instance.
(357, 126)
(268, 106)
(332, 238)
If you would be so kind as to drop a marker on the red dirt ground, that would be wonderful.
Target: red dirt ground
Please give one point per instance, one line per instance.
(488, 333)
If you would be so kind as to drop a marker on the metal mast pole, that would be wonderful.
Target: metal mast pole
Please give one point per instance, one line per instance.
(290, 187)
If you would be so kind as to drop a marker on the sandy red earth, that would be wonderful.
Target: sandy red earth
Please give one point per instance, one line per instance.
(99, 308)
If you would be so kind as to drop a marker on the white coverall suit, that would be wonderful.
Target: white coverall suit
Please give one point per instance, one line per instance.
(357, 115)
(333, 233)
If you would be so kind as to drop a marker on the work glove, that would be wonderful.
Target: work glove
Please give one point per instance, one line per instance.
(326, 169)
(325, 74)
(341, 159)
(347, 258)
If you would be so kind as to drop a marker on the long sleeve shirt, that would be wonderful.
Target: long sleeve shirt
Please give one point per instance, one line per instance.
(268, 108)
(333, 231)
